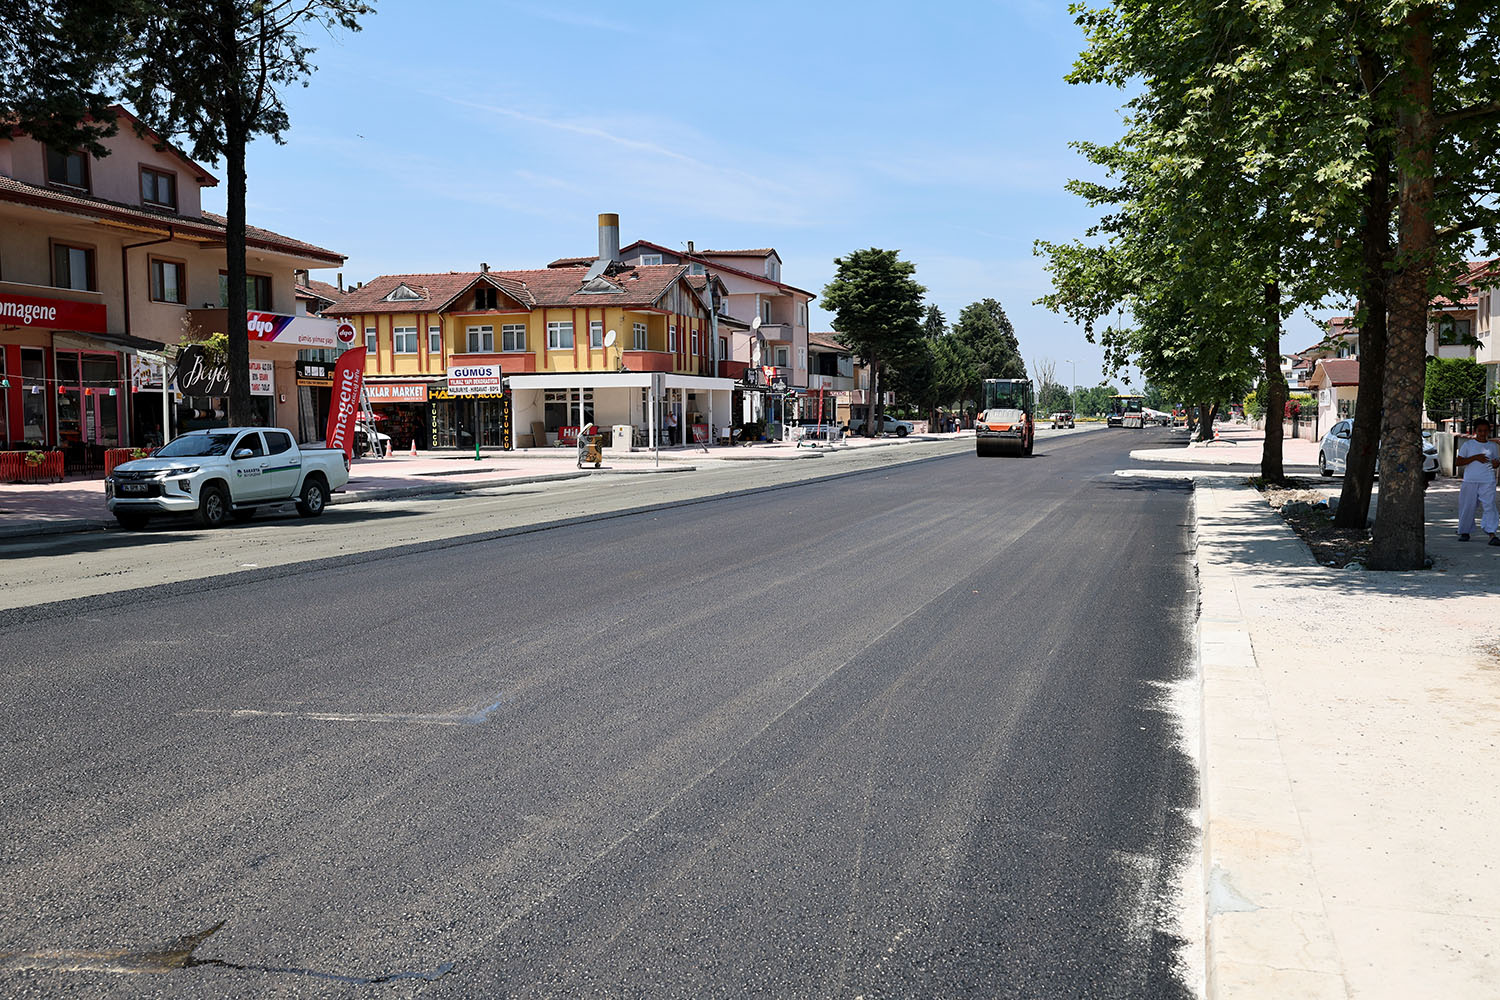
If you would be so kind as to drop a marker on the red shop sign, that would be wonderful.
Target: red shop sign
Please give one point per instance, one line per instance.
(387, 392)
(51, 314)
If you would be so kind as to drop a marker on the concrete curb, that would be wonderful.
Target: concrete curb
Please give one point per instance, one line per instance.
(1267, 931)
(77, 525)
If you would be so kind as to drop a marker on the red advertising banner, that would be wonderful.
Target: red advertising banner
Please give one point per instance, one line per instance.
(348, 379)
(51, 314)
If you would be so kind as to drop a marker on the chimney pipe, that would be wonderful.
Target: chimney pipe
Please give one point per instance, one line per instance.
(341, 281)
(609, 236)
(690, 246)
(484, 269)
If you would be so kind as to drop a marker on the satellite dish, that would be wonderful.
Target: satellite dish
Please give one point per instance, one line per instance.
(609, 338)
(755, 324)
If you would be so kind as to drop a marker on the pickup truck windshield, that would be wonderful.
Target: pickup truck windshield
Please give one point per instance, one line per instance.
(197, 446)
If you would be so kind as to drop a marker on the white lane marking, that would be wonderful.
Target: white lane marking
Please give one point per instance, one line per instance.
(457, 717)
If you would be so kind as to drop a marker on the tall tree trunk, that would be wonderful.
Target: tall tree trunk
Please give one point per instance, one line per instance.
(870, 414)
(1206, 421)
(235, 326)
(1271, 466)
(1375, 237)
(1399, 539)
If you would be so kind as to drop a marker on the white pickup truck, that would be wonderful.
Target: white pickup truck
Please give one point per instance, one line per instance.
(223, 473)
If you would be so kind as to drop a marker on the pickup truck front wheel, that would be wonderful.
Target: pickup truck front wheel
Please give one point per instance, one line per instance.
(314, 498)
(213, 506)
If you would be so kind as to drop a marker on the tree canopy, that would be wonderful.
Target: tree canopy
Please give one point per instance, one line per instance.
(877, 307)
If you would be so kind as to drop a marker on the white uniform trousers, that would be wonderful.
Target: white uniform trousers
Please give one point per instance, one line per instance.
(1482, 493)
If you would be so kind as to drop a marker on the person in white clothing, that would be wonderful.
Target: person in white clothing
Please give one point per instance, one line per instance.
(1478, 457)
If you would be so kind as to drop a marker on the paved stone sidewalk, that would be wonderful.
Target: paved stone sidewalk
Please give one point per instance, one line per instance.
(1350, 729)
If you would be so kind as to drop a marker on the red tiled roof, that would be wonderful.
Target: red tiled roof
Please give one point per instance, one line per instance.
(827, 340)
(761, 252)
(329, 291)
(209, 226)
(572, 262)
(1339, 371)
(640, 287)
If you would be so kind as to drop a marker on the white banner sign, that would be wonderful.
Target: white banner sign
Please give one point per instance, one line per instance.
(475, 380)
(262, 378)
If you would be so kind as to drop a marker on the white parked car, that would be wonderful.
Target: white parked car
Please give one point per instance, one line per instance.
(889, 425)
(1333, 453)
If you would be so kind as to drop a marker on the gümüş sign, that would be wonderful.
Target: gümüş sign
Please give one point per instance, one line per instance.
(197, 375)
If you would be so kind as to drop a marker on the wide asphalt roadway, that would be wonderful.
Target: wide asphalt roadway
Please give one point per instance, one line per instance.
(900, 734)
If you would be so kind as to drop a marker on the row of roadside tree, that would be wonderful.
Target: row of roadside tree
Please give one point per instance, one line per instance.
(1277, 158)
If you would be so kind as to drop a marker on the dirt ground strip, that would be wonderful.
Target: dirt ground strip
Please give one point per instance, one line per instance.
(1307, 511)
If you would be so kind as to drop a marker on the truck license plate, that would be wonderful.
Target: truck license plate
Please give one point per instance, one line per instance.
(132, 487)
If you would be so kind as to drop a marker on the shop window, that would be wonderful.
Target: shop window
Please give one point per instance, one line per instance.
(34, 404)
(638, 337)
(257, 291)
(158, 189)
(596, 334)
(68, 169)
(481, 339)
(406, 340)
(73, 267)
(513, 337)
(434, 340)
(560, 335)
(167, 284)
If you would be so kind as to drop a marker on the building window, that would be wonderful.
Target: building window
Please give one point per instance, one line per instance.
(1452, 331)
(596, 334)
(723, 348)
(765, 310)
(695, 343)
(781, 357)
(68, 169)
(650, 259)
(73, 267)
(372, 339)
(158, 189)
(513, 337)
(484, 298)
(434, 340)
(257, 291)
(559, 335)
(481, 340)
(406, 340)
(638, 337)
(167, 284)
(802, 315)
(672, 339)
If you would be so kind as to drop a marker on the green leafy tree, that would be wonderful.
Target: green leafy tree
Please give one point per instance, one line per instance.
(988, 342)
(1451, 380)
(212, 74)
(62, 68)
(877, 308)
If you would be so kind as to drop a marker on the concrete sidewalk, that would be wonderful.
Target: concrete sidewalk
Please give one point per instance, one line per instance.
(1350, 727)
(1234, 444)
(77, 503)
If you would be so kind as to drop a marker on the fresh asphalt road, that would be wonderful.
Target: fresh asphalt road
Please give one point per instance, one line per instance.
(903, 733)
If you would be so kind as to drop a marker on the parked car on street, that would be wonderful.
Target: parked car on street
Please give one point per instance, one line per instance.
(1333, 453)
(889, 425)
(223, 473)
(1061, 419)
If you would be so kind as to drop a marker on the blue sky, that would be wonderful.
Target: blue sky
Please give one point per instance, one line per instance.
(445, 134)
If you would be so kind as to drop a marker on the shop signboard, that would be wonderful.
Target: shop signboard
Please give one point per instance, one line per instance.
(51, 314)
(144, 374)
(262, 378)
(197, 375)
(345, 333)
(396, 392)
(301, 331)
(476, 380)
(317, 373)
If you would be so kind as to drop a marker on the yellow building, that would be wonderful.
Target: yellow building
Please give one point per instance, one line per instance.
(576, 345)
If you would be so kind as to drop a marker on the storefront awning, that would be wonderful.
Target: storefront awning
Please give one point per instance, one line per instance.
(105, 342)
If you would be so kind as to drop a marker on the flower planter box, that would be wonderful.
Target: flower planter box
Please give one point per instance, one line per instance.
(15, 469)
(115, 456)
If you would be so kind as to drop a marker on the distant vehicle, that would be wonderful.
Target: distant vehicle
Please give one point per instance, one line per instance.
(1158, 417)
(1007, 424)
(1333, 453)
(1126, 410)
(366, 437)
(223, 473)
(888, 425)
(1062, 418)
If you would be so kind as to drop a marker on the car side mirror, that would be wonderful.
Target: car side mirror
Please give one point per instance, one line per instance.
(1344, 434)
(243, 453)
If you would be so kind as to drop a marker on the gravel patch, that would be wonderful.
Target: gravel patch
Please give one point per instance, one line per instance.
(1309, 512)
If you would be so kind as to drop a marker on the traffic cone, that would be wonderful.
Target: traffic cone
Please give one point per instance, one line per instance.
(390, 448)
(413, 447)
